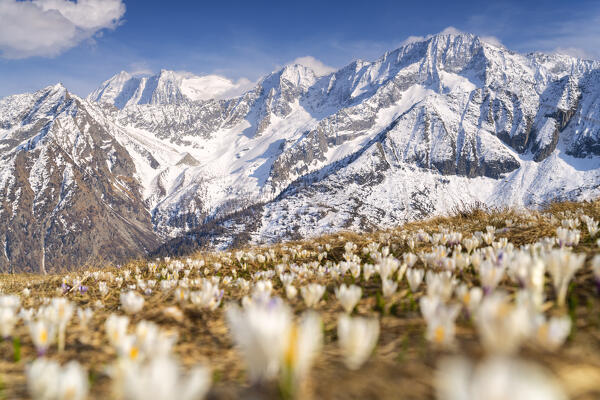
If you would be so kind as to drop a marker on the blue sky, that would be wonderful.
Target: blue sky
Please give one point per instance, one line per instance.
(247, 39)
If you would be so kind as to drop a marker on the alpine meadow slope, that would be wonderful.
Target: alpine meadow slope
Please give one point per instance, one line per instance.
(184, 161)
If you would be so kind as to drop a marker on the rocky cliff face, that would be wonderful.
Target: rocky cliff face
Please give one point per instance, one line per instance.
(69, 197)
(426, 128)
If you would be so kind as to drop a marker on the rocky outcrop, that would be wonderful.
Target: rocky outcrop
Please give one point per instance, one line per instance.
(70, 198)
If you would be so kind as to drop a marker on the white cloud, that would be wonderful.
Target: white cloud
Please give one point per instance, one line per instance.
(450, 30)
(574, 52)
(49, 27)
(414, 39)
(577, 37)
(317, 66)
(139, 68)
(493, 40)
(212, 86)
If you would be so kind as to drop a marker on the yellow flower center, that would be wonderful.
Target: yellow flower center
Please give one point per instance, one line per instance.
(133, 353)
(43, 336)
(467, 298)
(291, 353)
(439, 334)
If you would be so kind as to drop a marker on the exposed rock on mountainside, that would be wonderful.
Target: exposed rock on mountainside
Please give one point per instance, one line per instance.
(433, 125)
(68, 193)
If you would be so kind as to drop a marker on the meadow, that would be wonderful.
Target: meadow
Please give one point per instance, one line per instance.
(483, 304)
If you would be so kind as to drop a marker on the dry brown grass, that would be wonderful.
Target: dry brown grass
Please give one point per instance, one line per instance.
(403, 363)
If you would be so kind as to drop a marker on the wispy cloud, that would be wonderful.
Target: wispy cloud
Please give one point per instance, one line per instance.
(137, 68)
(578, 37)
(49, 27)
(317, 66)
(561, 28)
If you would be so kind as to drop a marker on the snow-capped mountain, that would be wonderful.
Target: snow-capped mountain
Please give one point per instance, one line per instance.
(166, 87)
(429, 127)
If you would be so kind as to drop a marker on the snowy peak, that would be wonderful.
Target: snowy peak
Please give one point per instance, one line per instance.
(166, 87)
(23, 110)
(296, 75)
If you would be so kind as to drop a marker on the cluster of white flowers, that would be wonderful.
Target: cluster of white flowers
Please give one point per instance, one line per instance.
(511, 297)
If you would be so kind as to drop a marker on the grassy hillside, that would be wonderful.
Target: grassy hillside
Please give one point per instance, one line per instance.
(429, 335)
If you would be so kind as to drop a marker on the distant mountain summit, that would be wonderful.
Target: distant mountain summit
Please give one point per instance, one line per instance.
(166, 87)
(184, 161)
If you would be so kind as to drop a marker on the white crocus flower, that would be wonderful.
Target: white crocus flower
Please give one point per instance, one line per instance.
(470, 298)
(10, 301)
(490, 275)
(552, 333)
(27, 314)
(8, 320)
(42, 334)
(401, 272)
(388, 287)
(470, 244)
(567, 237)
(128, 349)
(348, 296)
(440, 285)
(502, 326)
(414, 277)
(592, 227)
(440, 320)
(304, 343)
(410, 259)
(260, 331)
(497, 378)
(47, 380)
(312, 294)
(357, 338)
(429, 305)
(368, 271)
(354, 269)
(161, 379)
(152, 341)
(84, 315)
(291, 292)
(72, 382)
(208, 297)
(61, 311)
(562, 265)
(181, 294)
(529, 272)
(440, 327)
(263, 288)
(131, 302)
(387, 266)
(286, 278)
(103, 288)
(116, 328)
(42, 378)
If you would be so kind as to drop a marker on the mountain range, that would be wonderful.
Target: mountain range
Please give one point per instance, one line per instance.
(174, 162)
